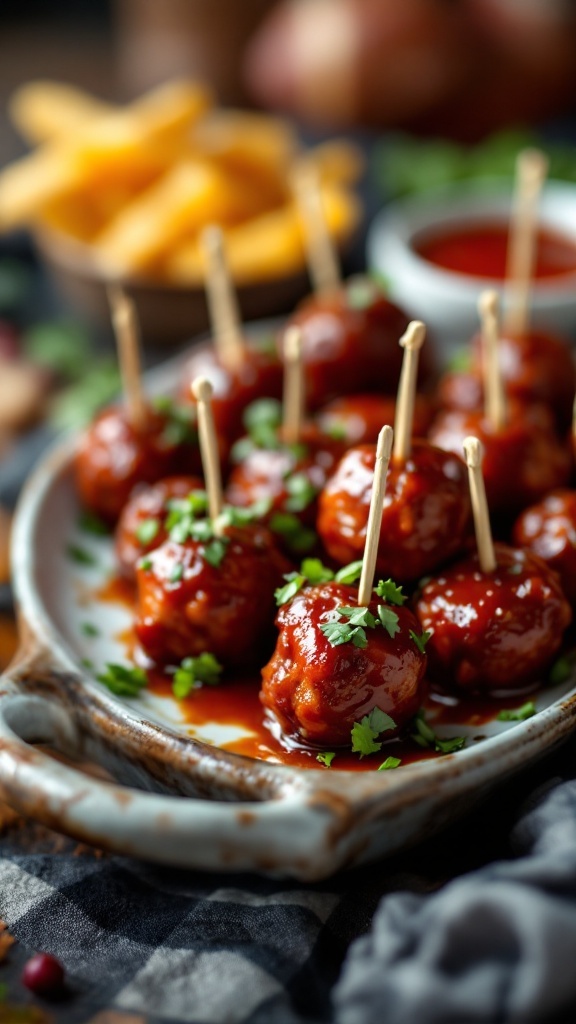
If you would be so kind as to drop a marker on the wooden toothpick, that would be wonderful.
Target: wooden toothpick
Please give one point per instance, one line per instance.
(383, 452)
(411, 341)
(321, 254)
(531, 171)
(473, 452)
(125, 324)
(202, 391)
(222, 302)
(293, 399)
(494, 395)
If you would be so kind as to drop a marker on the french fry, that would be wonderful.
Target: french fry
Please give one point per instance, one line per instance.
(191, 195)
(238, 139)
(45, 110)
(138, 139)
(269, 246)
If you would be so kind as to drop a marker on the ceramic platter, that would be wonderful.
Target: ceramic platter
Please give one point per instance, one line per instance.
(181, 798)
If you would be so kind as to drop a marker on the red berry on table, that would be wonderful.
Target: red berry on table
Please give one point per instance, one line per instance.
(43, 974)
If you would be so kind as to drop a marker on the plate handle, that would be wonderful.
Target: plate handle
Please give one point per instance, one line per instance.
(290, 834)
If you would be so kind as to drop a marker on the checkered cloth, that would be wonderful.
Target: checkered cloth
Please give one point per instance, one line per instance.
(146, 944)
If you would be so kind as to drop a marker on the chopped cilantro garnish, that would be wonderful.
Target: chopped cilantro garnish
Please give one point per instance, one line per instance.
(263, 412)
(193, 672)
(294, 582)
(147, 530)
(389, 620)
(301, 492)
(232, 515)
(563, 668)
(89, 629)
(315, 572)
(365, 733)
(87, 663)
(145, 564)
(214, 551)
(180, 426)
(122, 680)
(335, 430)
(297, 537)
(424, 736)
(391, 593)
(515, 569)
(183, 514)
(349, 573)
(326, 758)
(421, 640)
(518, 714)
(80, 555)
(361, 292)
(91, 523)
(338, 633)
(176, 573)
(358, 615)
(390, 762)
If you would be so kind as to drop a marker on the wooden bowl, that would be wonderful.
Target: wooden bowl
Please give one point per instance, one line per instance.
(168, 314)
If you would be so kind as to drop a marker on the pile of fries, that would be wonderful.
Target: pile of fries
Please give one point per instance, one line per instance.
(135, 185)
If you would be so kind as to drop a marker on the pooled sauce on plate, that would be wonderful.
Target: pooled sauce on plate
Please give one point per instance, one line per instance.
(478, 249)
(235, 703)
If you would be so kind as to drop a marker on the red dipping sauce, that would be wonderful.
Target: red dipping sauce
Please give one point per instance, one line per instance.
(478, 249)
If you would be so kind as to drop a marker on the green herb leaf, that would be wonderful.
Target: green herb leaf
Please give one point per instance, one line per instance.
(147, 530)
(358, 615)
(563, 668)
(421, 640)
(365, 733)
(390, 762)
(361, 292)
(87, 663)
(80, 555)
(79, 403)
(193, 672)
(122, 680)
(336, 430)
(89, 629)
(180, 427)
(518, 714)
(338, 633)
(424, 736)
(297, 537)
(349, 573)
(315, 572)
(176, 573)
(214, 551)
(327, 758)
(263, 412)
(295, 582)
(145, 564)
(389, 620)
(61, 346)
(302, 492)
(391, 593)
(90, 523)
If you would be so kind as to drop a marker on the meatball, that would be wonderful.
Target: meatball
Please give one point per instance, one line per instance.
(548, 529)
(358, 419)
(493, 632)
(214, 595)
(142, 523)
(426, 513)
(113, 456)
(349, 345)
(317, 691)
(258, 375)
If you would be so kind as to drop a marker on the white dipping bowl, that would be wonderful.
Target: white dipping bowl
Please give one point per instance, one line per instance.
(447, 301)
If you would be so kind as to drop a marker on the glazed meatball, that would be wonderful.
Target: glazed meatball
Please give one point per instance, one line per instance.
(317, 691)
(426, 514)
(548, 529)
(214, 595)
(142, 523)
(493, 632)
